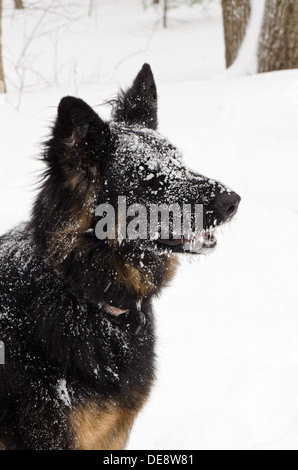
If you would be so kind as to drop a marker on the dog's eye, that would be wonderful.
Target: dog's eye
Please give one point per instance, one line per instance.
(151, 181)
(149, 178)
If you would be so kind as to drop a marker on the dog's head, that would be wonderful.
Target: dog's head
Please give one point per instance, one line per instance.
(92, 163)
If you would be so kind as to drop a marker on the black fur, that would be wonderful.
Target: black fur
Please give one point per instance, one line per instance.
(138, 105)
(63, 348)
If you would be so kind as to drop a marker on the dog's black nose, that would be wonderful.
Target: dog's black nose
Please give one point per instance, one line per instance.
(226, 205)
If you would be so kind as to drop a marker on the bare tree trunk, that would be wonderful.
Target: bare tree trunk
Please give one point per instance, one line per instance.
(18, 4)
(155, 2)
(236, 14)
(165, 13)
(91, 5)
(2, 79)
(278, 46)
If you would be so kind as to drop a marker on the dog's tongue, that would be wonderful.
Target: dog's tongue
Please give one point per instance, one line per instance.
(115, 311)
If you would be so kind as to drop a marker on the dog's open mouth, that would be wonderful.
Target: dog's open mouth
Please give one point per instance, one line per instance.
(200, 243)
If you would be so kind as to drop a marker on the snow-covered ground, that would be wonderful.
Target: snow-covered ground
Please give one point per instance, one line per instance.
(228, 325)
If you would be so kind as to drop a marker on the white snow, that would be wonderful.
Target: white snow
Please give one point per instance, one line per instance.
(228, 325)
(63, 393)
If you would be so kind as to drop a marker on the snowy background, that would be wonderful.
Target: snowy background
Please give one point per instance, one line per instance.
(228, 325)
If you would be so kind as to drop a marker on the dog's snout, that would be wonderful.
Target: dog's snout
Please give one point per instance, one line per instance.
(227, 205)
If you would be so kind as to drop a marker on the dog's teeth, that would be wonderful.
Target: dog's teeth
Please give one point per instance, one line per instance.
(187, 245)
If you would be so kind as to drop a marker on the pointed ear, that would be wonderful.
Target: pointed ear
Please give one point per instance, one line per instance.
(81, 132)
(138, 105)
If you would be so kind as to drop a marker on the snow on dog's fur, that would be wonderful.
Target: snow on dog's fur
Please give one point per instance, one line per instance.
(76, 312)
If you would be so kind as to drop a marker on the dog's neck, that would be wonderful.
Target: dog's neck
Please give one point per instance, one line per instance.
(107, 275)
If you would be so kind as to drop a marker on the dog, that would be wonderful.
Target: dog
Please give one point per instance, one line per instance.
(76, 314)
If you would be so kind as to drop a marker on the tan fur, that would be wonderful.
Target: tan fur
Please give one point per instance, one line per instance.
(2, 446)
(170, 269)
(139, 281)
(97, 427)
(65, 240)
(136, 280)
(74, 181)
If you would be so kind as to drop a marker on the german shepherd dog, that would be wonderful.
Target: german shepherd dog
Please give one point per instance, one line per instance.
(76, 314)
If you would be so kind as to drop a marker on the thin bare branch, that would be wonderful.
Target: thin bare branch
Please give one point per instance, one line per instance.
(2, 78)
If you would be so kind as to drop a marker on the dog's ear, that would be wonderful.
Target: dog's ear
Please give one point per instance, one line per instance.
(82, 133)
(138, 105)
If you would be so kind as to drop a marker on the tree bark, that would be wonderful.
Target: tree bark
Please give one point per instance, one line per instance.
(90, 10)
(2, 78)
(278, 46)
(18, 4)
(165, 13)
(236, 15)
